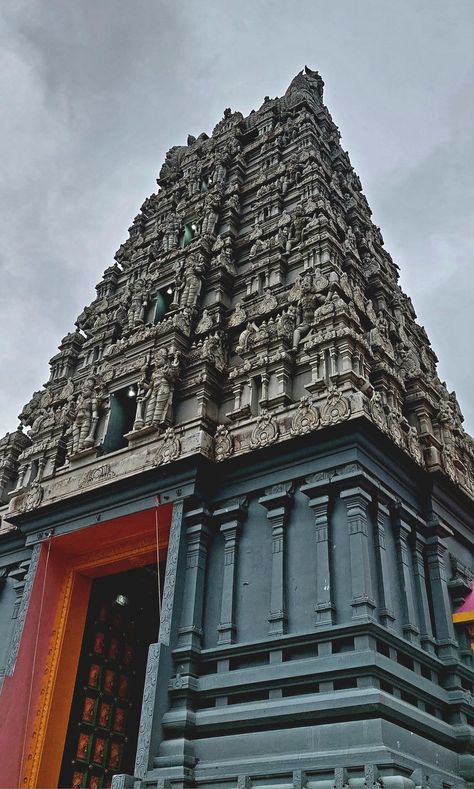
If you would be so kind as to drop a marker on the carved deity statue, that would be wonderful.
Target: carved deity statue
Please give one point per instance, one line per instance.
(189, 280)
(170, 230)
(139, 300)
(211, 213)
(155, 394)
(85, 416)
(308, 301)
(219, 172)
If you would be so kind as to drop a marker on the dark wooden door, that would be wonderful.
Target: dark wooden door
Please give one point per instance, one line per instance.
(122, 620)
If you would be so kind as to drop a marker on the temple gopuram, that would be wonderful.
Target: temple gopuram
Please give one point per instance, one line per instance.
(236, 523)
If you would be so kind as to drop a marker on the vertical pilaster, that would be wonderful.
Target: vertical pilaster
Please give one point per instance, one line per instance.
(402, 531)
(324, 606)
(386, 613)
(197, 534)
(160, 665)
(435, 550)
(426, 631)
(362, 602)
(276, 501)
(230, 517)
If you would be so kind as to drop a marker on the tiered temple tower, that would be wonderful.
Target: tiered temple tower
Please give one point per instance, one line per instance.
(250, 366)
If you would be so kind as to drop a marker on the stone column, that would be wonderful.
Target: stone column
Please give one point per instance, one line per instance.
(324, 607)
(276, 501)
(435, 550)
(402, 531)
(363, 602)
(426, 631)
(198, 535)
(230, 517)
(386, 613)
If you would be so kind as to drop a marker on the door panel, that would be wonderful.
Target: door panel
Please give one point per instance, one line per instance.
(122, 621)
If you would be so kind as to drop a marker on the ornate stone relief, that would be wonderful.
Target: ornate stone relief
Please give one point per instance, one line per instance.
(336, 408)
(265, 432)
(377, 411)
(223, 443)
(170, 448)
(305, 418)
(96, 475)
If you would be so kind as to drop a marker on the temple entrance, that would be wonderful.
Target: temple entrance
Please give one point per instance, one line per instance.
(122, 620)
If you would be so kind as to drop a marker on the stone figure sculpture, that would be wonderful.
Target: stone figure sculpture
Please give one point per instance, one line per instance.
(307, 302)
(189, 279)
(138, 303)
(170, 231)
(155, 393)
(85, 416)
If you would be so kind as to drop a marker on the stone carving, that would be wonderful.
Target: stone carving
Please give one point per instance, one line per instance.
(377, 410)
(393, 427)
(97, 475)
(265, 432)
(170, 231)
(84, 414)
(20, 621)
(223, 444)
(205, 323)
(170, 448)
(138, 303)
(305, 418)
(238, 316)
(211, 213)
(122, 781)
(414, 444)
(335, 409)
(155, 390)
(148, 707)
(307, 300)
(189, 280)
(33, 498)
(379, 337)
(213, 350)
(269, 302)
(224, 259)
(170, 576)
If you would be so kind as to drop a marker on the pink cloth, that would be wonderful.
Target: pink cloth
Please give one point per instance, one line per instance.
(468, 604)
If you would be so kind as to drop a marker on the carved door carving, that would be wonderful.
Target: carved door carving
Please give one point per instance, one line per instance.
(122, 620)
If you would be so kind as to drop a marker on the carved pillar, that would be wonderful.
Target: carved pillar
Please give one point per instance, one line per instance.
(230, 517)
(324, 607)
(402, 531)
(435, 550)
(362, 602)
(21, 476)
(23, 578)
(277, 501)
(197, 534)
(386, 613)
(426, 631)
(160, 668)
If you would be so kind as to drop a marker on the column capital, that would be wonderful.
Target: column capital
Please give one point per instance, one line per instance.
(230, 511)
(383, 509)
(277, 496)
(198, 524)
(356, 496)
(319, 505)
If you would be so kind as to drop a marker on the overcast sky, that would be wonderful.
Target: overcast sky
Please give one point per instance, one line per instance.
(94, 92)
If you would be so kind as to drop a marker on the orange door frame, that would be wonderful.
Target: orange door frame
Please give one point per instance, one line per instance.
(36, 699)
